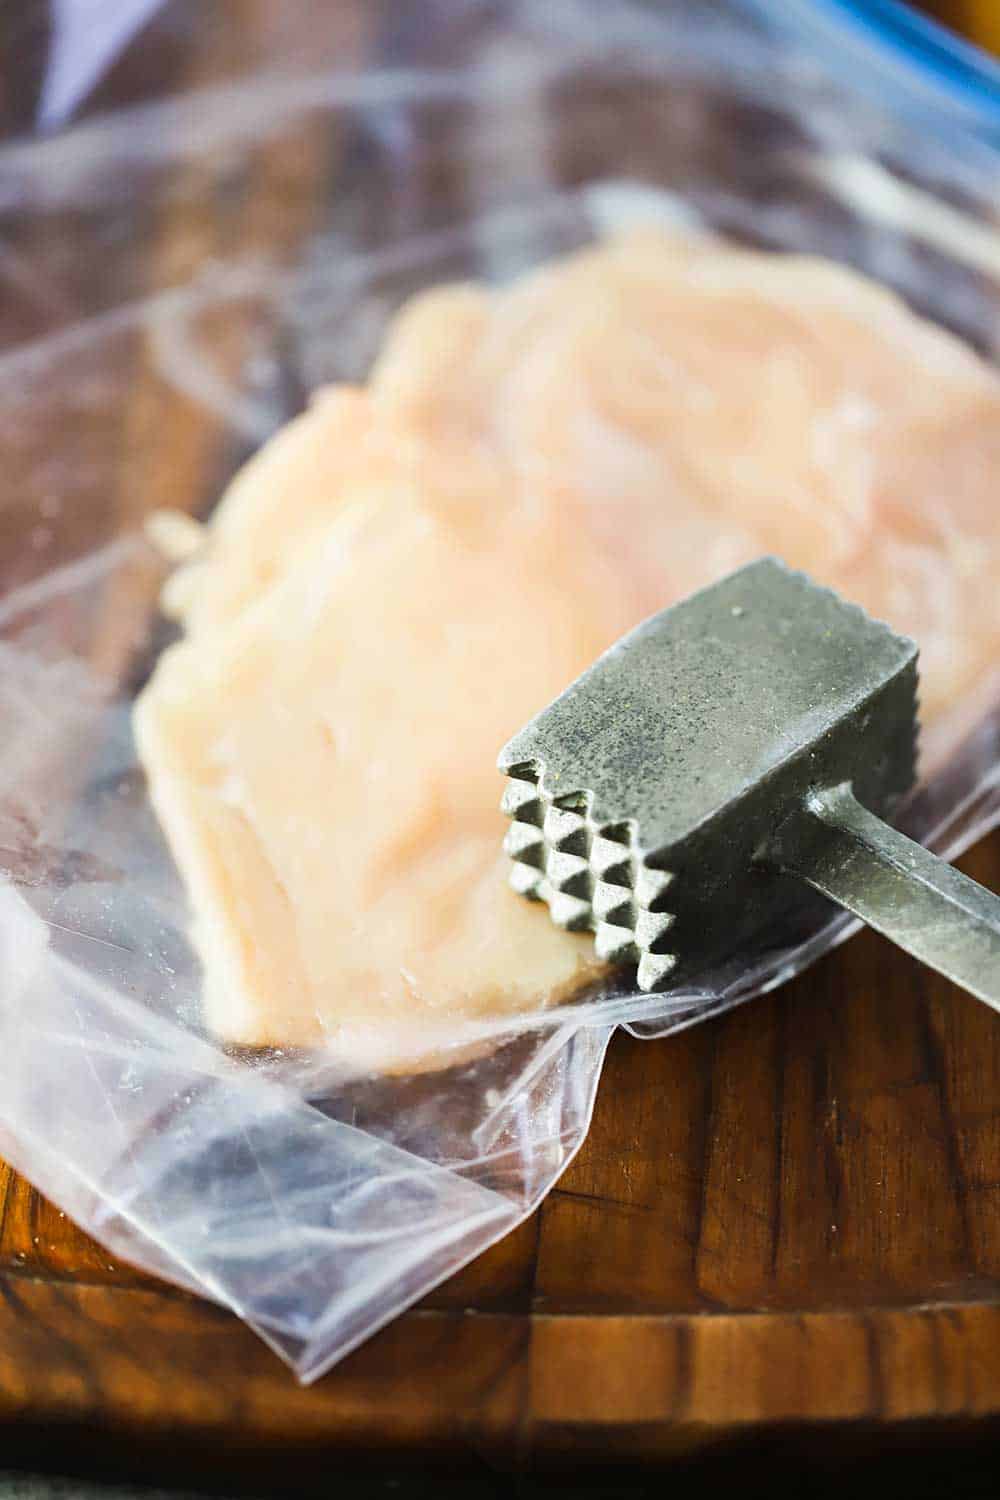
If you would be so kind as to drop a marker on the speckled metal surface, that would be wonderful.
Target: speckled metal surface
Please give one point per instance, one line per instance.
(642, 797)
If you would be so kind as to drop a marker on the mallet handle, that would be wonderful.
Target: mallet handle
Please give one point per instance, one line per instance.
(920, 902)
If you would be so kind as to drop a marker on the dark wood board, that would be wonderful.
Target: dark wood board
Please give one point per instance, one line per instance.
(789, 1216)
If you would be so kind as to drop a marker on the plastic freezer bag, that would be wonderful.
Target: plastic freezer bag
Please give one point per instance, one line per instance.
(477, 144)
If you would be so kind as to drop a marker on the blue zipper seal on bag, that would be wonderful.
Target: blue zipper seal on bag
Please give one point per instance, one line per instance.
(935, 68)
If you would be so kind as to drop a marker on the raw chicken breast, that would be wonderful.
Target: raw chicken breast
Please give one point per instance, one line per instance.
(409, 571)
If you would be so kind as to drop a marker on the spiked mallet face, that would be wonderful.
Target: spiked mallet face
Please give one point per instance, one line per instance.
(755, 735)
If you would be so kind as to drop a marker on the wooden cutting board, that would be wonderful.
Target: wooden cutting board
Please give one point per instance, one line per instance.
(787, 1217)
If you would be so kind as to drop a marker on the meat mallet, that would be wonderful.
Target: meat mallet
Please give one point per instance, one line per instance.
(754, 736)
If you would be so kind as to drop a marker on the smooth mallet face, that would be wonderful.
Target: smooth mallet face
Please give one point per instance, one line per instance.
(640, 796)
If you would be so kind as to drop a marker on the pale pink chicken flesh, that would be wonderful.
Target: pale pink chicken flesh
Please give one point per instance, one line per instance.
(410, 570)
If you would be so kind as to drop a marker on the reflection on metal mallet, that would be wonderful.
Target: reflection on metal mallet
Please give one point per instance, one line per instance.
(752, 737)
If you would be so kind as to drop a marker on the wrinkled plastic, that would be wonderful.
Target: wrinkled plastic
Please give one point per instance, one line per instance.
(315, 1207)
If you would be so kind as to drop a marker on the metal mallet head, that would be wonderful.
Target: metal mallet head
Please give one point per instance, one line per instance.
(674, 797)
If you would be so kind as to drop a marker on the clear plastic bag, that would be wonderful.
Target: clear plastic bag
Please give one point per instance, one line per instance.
(317, 1208)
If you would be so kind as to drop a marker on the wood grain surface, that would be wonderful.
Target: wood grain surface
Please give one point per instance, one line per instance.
(788, 1216)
